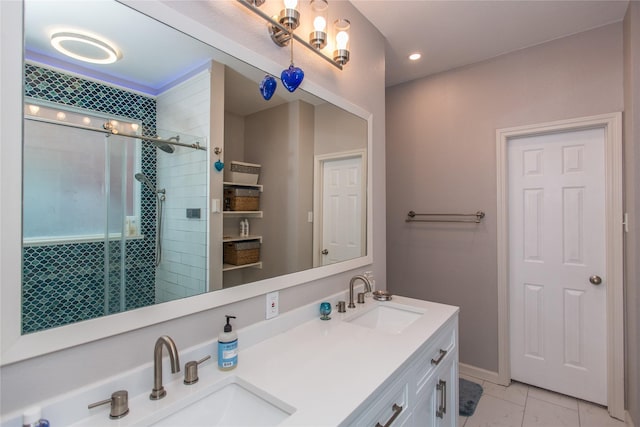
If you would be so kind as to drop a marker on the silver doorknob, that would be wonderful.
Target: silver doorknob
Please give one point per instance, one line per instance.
(325, 252)
(595, 280)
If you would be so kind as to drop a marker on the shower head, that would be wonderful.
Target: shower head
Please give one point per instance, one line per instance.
(145, 180)
(167, 148)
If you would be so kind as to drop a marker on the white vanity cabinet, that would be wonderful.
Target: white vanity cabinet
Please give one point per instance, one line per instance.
(424, 391)
(437, 381)
(391, 406)
(437, 402)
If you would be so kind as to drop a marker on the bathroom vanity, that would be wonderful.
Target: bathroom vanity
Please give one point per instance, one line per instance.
(392, 363)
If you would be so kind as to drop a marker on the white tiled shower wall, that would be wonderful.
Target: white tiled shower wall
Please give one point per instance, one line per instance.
(185, 108)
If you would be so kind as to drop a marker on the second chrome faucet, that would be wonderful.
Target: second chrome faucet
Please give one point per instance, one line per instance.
(367, 288)
(158, 391)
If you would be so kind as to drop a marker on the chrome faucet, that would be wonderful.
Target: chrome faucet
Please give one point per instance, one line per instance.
(158, 391)
(367, 288)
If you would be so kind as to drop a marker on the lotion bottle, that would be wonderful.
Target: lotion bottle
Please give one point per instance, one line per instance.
(228, 347)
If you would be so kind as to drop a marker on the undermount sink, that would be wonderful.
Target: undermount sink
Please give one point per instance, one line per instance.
(236, 403)
(387, 317)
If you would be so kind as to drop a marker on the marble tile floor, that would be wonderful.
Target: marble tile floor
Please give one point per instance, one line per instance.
(521, 405)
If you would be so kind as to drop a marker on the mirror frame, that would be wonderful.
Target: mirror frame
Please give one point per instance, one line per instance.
(16, 347)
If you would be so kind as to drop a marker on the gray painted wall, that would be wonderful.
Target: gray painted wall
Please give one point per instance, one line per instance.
(276, 139)
(631, 120)
(336, 131)
(441, 158)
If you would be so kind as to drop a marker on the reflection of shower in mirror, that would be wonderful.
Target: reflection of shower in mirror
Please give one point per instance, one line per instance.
(146, 181)
(167, 148)
(160, 198)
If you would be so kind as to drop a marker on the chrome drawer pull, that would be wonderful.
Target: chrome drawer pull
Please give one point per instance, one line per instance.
(437, 361)
(396, 411)
(442, 388)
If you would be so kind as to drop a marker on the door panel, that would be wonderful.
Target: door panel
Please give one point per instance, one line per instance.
(557, 241)
(342, 210)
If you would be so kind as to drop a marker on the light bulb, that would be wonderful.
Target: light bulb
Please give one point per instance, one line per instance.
(342, 38)
(86, 120)
(290, 4)
(319, 24)
(134, 126)
(34, 109)
(61, 116)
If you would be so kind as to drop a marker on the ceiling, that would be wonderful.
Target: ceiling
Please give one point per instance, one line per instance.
(146, 64)
(455, 33)
(158, 58)
(448, 34)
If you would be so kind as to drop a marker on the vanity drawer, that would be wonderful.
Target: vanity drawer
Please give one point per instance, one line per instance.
(392, 408)
(436, 355)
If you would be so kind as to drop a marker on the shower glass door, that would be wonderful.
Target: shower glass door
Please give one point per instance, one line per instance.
(81, 242)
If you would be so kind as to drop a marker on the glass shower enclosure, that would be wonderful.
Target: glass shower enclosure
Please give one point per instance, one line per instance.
(97, 206)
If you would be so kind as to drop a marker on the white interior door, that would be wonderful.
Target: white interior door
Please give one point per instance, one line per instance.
(342, 209)
(556, 190)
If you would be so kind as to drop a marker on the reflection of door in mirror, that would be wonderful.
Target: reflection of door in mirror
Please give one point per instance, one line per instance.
(342, 210)
(339, 206)
(284, 136)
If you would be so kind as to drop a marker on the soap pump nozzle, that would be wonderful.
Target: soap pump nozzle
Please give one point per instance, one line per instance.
(227, 327)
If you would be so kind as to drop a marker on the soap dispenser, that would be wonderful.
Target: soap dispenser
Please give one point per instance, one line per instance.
(32, 418)
(228, 347)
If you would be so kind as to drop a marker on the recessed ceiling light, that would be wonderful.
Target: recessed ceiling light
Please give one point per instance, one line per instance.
(415, 56)
(83, 47)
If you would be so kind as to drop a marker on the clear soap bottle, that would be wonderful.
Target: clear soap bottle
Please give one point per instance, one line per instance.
(227, 347)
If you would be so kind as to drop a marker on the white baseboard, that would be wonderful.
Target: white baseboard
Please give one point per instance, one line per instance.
(483, 374)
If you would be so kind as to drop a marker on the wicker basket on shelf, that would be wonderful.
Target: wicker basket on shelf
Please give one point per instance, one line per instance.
(241, 253)
(241, 199)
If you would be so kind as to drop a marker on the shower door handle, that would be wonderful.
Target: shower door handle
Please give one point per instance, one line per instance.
(325, 252)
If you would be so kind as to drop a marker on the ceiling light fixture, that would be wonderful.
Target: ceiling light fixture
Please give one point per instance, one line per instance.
(282, 26)
(289, 16)
(341, 54)
(83, 47)
(415, 56)
(318, 37)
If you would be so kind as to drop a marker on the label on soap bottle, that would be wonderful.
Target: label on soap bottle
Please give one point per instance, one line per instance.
(228, 354)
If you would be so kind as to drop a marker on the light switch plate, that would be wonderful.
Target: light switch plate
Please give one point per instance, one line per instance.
(273, 305)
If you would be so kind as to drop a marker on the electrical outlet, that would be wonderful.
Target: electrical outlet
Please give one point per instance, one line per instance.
(273, 305)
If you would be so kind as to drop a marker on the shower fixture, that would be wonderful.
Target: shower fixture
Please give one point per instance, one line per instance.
(160, 199)
(167, 148)
(142, 178)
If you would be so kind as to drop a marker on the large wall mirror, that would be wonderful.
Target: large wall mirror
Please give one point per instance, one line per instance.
(126, 204)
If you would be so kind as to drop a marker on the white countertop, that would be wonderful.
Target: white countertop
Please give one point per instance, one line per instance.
(327, 369)
(323, 370)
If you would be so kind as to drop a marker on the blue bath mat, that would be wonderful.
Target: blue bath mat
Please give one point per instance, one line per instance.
(470, 393)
